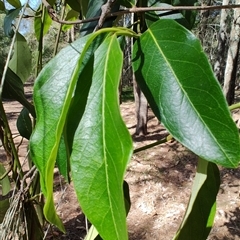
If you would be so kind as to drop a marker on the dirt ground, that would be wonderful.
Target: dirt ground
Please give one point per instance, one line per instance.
(160, 181)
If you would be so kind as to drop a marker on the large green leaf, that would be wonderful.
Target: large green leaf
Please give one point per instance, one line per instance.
(19, 64)
(200, 213)
(53, 91)
(174, 74)
(102, 147)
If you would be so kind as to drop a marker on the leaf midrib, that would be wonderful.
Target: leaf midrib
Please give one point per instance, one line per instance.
(104, 133)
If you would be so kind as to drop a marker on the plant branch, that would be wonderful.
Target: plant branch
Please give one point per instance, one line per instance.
(163, 140)
(106, 9)
(54, 17)
(234, 106)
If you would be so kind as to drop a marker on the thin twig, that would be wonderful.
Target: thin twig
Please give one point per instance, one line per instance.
(54, 17)
(106, 9)
(163, 140)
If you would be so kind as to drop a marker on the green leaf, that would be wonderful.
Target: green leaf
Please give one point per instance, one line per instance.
(5, 182)
(24, 124)
(53, 91)
(102, 147)
(19, 64)
(13, 89)
(177, 79)
(84, 7)
(71, 15)
(127, 3)
(4, 205)
(5, 186)
(15, 3)
(63, 160)
(34, 228)
(92, 233)
(94, 10)
(40, 23)
(13, 86)
(7, 25)
(75, 4)
(2, 6)
(200, 213)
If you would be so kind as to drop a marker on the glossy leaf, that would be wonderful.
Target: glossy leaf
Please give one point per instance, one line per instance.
(24, 124)
(19, 64)
(174, 74)
(9, 18)
(53, 91)
(200, 213)
(102, 147)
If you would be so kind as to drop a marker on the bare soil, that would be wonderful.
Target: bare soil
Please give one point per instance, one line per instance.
(160, 181)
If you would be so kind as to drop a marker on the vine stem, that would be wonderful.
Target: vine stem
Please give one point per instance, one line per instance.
(135, 9)
(163, 140)
(234, 106)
